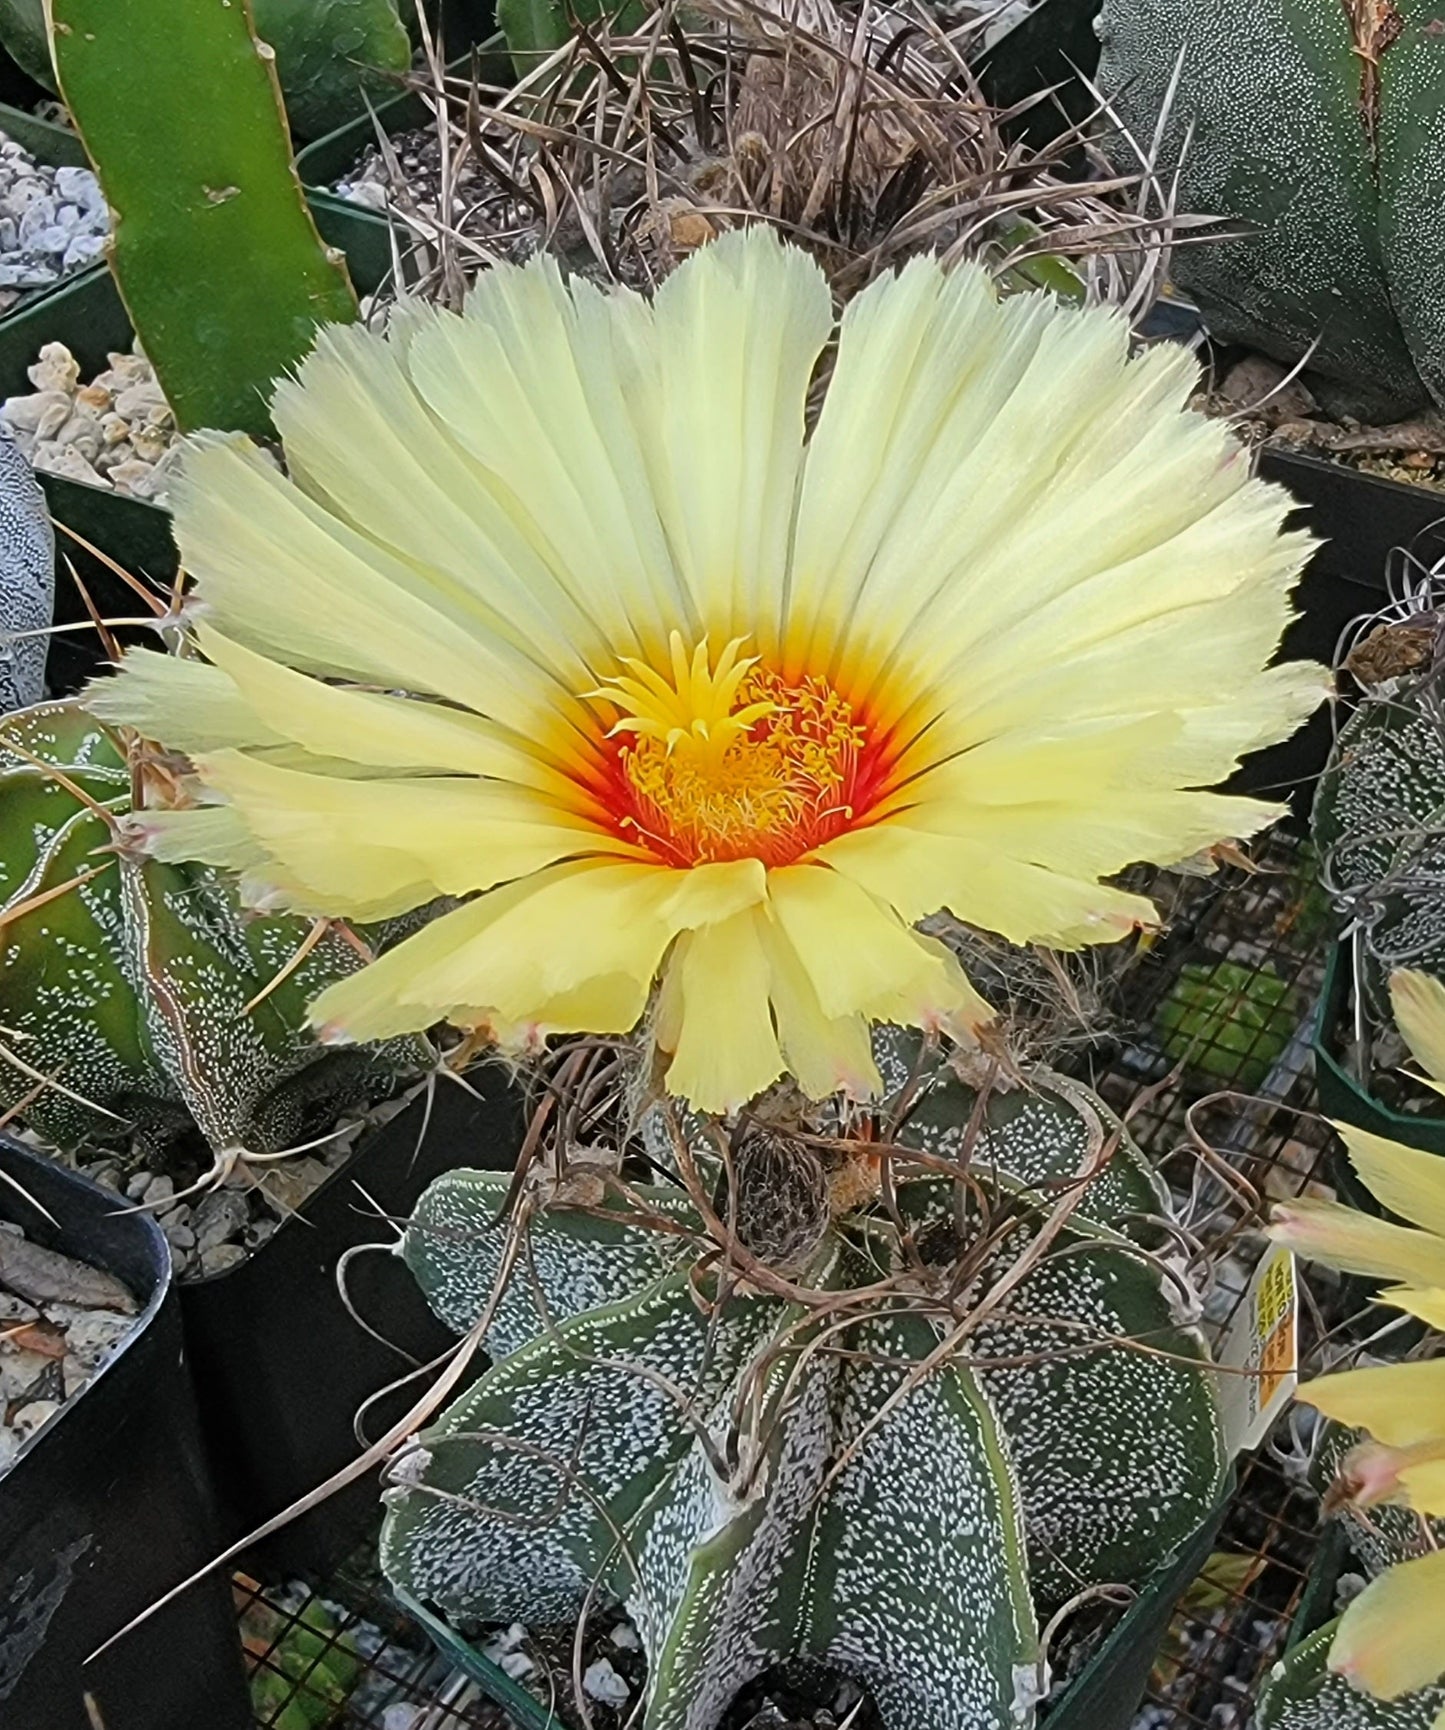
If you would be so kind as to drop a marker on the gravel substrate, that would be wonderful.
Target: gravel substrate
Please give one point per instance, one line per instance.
(216, 1229)
(116, 432)
(59, 1322)
(52, 221)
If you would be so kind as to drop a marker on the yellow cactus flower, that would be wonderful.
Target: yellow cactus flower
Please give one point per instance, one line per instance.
(1392, 1637)
(564, 612)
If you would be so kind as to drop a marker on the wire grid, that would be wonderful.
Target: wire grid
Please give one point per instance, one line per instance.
(1217, 1648)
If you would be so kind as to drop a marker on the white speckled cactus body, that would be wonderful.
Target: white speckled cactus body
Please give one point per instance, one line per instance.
(131, 984)
(27, 580)
(1301, 1693)
(896, 1484)
(1379, 829)
(1319, 124)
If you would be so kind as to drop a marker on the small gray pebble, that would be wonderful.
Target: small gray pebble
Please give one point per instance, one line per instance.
(223, 1256)
(29, 1418)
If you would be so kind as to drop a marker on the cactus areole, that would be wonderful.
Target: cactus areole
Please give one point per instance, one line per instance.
(1318, 124)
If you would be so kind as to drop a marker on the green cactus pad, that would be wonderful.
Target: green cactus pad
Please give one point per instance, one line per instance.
(212, 245)
(132, 987)
(696, 1461)
(1130, 1457)
(866, 1541)
(1300, 1693)
(1034, 1133)
(330, 54)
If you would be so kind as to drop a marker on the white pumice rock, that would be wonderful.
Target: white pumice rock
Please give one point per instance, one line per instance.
(116, 431)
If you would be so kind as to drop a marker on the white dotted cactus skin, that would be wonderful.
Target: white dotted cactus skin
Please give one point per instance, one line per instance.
(1300, 1693)
(1376, 826)
(132, 987)
(1272, 125)
(896, 1510)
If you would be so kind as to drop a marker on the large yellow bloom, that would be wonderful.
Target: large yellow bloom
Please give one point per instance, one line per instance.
(1392, 1637)
(562, 611)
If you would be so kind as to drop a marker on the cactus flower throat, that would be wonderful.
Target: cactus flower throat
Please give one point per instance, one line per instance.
(733, 760)
(693, 698)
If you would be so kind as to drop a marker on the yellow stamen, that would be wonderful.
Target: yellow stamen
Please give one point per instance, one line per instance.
(730, 761)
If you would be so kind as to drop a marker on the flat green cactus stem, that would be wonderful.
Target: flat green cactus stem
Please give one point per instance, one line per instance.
(1300, 1693)
(1319, 125)
(132, 982)
(213, 248)
(763, 1480)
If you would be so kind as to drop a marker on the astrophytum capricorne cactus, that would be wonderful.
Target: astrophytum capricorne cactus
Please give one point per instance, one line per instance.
(894, 1466)
(27, 580)
(1313, 127)
(137, 991)
(1377, 828)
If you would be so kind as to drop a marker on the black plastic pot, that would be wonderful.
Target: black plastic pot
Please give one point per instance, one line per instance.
(280, 1364)
(109, 1506)
(1047, 50)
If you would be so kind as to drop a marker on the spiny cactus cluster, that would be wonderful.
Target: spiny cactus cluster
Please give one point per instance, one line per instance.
(134, 991)
(1315, 127)
(895, 1462)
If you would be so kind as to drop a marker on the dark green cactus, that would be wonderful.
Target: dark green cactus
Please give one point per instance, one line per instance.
(1319, 124)
(329, 53)
(765, 1479)
(132, 983)
(1300, 1693)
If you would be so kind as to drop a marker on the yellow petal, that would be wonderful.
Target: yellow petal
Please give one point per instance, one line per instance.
(918, 874)
(1423, 1483)
(1428, 1304)
(403, 467)
(1403, 1179)
(1390, 1639)
(369, 849)
(550, 437)
(861, 959)
(727, 1051)
(277, 572)
(827, 1054)
(707, 894)
(187, 704)
(1343, 1237)
(1418, 1000)
(509, 953)
(369, 727)
(1400, 1404)
(210, 834)
(718, 404)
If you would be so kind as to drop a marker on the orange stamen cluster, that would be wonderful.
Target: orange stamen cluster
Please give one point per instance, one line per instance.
(733, 761)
